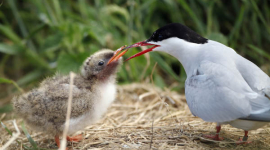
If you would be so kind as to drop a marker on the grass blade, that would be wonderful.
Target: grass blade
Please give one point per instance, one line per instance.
(5, 127)
(10, 133)
(259, 51)
(237, 26)
(7, 31)
(32, 142)
(165, 66)
(10, 49)
(260, 15)
(4, 80)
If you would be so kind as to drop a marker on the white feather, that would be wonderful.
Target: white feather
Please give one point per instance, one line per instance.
(99, 108)
(221, 85)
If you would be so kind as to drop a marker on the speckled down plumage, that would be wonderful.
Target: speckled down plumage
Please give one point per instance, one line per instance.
(44, 108)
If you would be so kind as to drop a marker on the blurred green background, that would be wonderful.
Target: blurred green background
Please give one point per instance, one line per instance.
(40, 37)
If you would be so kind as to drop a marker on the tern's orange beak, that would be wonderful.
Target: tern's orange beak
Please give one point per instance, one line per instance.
(116, 56)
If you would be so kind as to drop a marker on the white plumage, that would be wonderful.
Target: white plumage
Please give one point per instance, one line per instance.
(221, 85)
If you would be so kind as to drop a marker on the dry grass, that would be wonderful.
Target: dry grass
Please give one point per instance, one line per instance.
(144, 117)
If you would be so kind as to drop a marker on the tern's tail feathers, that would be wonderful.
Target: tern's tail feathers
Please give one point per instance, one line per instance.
(260, 109)
(265, 117)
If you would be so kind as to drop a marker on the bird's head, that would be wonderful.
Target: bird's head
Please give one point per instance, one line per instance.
(97, 65)
(168, 38)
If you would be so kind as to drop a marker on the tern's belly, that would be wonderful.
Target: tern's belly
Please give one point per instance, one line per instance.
(246, 124)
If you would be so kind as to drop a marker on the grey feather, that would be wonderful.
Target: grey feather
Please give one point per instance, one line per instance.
(264, 117)
(253, 75)
(214, 100)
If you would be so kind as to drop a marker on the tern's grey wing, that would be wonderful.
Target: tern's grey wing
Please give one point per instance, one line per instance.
(253, 75)
(217, 94)
(265, 117)
(260, 106)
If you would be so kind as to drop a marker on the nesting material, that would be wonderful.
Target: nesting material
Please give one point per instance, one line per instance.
(143, 117)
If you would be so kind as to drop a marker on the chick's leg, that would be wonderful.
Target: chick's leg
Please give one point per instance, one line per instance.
(57, 141)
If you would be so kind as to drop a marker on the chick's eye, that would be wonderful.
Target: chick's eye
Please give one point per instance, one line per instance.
(101, 63)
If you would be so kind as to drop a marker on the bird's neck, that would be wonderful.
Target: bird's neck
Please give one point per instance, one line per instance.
(106, 79)
(187, 53)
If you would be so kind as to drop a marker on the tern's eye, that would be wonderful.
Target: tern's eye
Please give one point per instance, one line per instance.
(160, 37)
(100, 63)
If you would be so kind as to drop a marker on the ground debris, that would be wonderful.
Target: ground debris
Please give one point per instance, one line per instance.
(145, 116)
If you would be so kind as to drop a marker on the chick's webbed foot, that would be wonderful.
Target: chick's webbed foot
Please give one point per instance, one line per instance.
(76, 138)
(57, 141)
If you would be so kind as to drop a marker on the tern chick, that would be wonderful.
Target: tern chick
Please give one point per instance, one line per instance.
(45, 108)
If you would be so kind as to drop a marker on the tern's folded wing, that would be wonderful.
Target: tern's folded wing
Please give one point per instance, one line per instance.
(216, 93)
(253, 75)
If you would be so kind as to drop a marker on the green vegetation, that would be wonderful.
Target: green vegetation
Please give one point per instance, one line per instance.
(40, 37)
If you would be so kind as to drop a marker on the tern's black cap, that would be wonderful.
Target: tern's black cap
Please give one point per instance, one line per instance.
(177, 30)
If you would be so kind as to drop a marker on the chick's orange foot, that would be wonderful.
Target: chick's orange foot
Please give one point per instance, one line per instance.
(57, 141)
(75, 138)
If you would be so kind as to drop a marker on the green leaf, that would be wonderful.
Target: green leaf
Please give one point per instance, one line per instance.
(7, 31)
(111, 9)
(6, 108)
(4, 80)
(52, 42)
(10, 49)
(10, 133)
(28, 136)
(31, 76)
(234, 32)
(162, 63)
(70, 62)
(259, 51)
(159, 81)
(97, 32)
(5, 127)
(194, 17)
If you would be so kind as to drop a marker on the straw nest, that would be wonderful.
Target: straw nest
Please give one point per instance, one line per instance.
(146, 117)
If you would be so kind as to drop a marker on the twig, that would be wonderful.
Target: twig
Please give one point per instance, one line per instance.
(14, 136)
(64, 140)
(152, 134)
(152, 119)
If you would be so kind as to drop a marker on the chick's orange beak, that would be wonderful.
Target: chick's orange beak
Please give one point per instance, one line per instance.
(116, 56)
